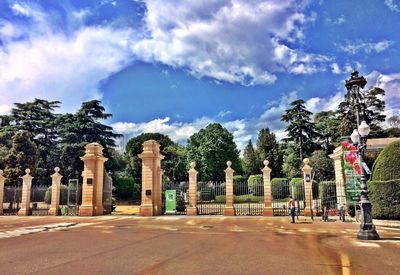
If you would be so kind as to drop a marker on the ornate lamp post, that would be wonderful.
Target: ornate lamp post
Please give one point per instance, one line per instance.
(359, 137)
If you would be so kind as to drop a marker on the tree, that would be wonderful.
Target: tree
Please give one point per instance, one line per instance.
(268, 149)
(322, 166)
(211, 148)
(23, 154)
(291, 162)
(371, 110)
(326, 124)
(250, 161)
(300, 129)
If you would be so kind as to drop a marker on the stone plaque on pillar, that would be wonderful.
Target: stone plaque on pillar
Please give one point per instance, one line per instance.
(229, 208)
(151, 179)
(92, 187)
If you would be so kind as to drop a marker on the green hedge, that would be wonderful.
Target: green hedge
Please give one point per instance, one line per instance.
(256, 185)
(63, 195)
(126, 188)
(280, 188)
(238, 179)
(385, 199)
(386, 166)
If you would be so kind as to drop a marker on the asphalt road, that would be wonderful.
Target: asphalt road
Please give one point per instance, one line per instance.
(187, 245)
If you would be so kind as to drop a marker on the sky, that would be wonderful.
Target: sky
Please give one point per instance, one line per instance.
(175, 66)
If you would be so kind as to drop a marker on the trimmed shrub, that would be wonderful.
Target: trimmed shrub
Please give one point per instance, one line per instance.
(298, 188)
(256, 185)
(126, 188)
(239, 179)
(280, 188)
(386, 166)
(385, 198)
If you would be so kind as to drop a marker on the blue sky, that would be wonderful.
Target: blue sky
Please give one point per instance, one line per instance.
(175, 66)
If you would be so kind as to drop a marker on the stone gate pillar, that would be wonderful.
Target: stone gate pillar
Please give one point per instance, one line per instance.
(229, 208)
(2, 179)
(55, 192)
(307, 169)
(26, 193)
(192, 189)
(339, 178)
(151, 179)
(267, 189)
(92, 187)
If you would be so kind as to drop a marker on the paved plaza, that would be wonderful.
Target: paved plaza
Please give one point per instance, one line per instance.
(192, 245)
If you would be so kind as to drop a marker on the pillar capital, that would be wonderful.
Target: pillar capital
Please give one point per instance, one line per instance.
(266, 169)
(229, 169)
(306, 168)
(192, 168)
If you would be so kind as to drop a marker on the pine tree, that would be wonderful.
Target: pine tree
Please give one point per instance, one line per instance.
(267, 148)
(250, 161)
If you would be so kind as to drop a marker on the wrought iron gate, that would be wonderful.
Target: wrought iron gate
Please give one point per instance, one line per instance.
(71, 198)
(248, 198)
(40, 200)
(211, 198)
(281, 192)
(12, 199)
(107, 193)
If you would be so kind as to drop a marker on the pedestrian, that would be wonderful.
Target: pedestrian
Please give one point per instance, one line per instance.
(292, 207)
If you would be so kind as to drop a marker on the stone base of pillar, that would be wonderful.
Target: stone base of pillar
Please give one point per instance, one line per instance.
(229, 211)
(307, 212)
(192, 211)
(1, 211)
(267, 211)
(146, 210)
(24, 212)
(98, 211)
(54, 212)
(86, 210)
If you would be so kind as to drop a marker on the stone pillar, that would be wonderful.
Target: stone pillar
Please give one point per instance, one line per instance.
(339, 176)
(267, 189)
(92, 187)
(151, 179)
(192, 190)
(2, 179)
(26, 194)
(55, 192)
(229, 209)
(307, 187)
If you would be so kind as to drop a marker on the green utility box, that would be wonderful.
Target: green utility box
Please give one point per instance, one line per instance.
(170, 201)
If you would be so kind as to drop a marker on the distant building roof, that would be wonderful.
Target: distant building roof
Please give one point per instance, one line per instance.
(379, 143)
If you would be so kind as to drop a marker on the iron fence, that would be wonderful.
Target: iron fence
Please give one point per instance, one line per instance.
(211, 198)
(12, 199)
(40, 200)
(248, 199)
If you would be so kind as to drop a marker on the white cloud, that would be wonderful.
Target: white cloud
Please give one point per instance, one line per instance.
(5, 109)
(317, 104)
(234, 41)
(338, 21)
(224, 113)
(335, 68)
(21, 9)
(56, 66)
(393, 5)
(367, 47)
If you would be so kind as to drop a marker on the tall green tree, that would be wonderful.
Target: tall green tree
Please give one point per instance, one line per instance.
(23, 154)
(250, 161)
(291, 161)
(300, 129)
(267, 148)
(211, 148)
(326, 123)
(322, 166)
(371, 110)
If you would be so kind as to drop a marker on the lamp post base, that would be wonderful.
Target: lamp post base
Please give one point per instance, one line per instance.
(368, 232)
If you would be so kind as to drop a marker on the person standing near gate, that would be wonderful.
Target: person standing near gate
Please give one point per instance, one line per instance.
(292, 207)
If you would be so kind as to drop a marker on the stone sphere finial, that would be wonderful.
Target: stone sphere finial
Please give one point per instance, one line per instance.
(57, 169)
(192, 164)
(306, 161)
(27, 171)
(229, 163)
(266, 162)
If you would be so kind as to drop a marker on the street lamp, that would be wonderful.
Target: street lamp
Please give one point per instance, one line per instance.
(359, 136)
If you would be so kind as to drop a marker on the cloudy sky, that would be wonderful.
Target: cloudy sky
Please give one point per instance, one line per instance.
(175, 66)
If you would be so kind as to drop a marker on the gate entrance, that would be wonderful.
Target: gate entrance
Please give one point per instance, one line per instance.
(107, 194)
(248, 199)
(40, 200)
(211, 198)
(71, 198)
(281, 191)
(12, 200)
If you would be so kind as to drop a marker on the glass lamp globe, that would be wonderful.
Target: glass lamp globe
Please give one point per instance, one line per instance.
(354, 136)
(363, 129)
